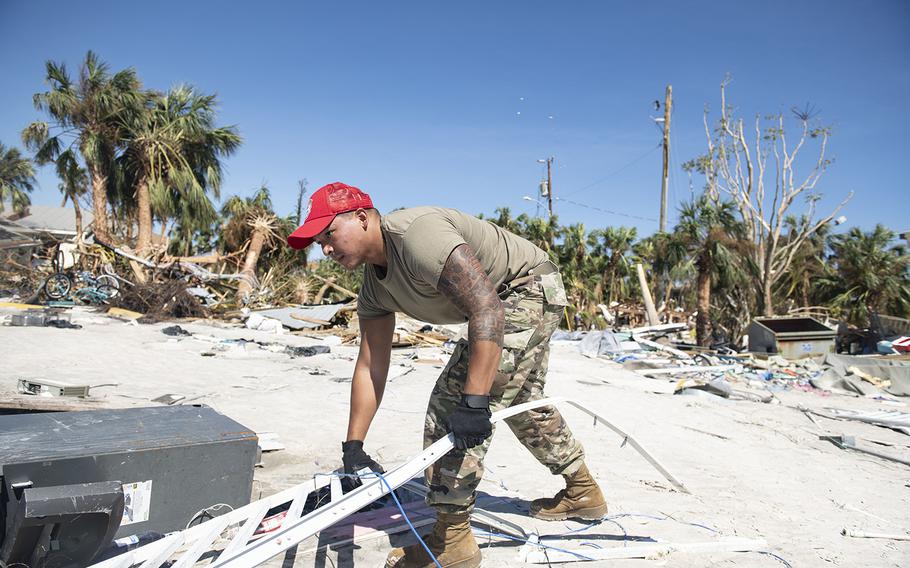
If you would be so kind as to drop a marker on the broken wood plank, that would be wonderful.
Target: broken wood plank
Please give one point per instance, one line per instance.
(33, 403)
(315, 321)
(660, 347)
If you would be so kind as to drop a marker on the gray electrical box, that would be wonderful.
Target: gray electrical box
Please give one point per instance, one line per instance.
(171, 461)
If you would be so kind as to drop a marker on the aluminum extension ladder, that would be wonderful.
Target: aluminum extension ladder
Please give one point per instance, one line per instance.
(242, 552)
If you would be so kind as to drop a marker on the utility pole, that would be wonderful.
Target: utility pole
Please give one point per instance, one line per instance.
(668, 104)
(550, 186)
(549, 162)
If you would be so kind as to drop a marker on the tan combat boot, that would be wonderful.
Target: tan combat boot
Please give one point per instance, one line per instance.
(451, 542)
(581, 499)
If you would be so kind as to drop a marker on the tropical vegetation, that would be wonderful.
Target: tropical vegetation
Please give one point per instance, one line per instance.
(17, 178)
(146, 161)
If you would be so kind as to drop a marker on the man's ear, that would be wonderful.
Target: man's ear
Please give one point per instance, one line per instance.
(363, 218)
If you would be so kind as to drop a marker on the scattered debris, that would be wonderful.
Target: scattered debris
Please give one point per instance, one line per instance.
(849, 443)
(308, 351)
(169, 398)
(893, 419)
(161, 301)
(537, 552)
(303, 317)
(46, 387)
(268, 442)
(43, 317)
(176, 331)
(718, 386)
(862, 534)
(123, 314)
(260, 323)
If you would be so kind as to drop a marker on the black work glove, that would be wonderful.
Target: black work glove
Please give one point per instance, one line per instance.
(355, 459)
(470, 421)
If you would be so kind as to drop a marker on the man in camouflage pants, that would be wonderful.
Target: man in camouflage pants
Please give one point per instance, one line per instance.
(443, 266)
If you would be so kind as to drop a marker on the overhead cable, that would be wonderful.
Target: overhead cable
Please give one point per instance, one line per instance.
(611, 212)
(608, 176)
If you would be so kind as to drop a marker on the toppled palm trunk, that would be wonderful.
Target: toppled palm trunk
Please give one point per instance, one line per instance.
(265, 231)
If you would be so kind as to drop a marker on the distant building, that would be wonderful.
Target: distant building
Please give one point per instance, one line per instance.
(17, 243)
(58, 223)
(906, 236)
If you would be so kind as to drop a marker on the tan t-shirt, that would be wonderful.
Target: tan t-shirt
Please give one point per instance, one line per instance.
(418, 242)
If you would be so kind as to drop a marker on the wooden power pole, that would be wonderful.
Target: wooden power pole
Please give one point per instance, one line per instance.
(668, 105)
(549, 187)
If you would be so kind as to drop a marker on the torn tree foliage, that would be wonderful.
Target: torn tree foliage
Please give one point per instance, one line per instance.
(161, 301)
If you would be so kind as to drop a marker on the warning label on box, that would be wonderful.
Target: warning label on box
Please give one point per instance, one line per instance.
(137, 500)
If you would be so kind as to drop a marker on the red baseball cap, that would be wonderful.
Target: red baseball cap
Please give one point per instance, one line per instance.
(328, 201)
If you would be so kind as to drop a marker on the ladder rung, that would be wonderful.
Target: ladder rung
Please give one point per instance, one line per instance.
(246, 531)
(297, 504)
(204, 544)
(171, 544)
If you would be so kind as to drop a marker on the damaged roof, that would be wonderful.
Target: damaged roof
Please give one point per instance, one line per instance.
(13, 235)
(48, 219)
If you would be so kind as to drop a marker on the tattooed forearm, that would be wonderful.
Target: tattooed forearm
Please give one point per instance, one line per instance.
(465, 283)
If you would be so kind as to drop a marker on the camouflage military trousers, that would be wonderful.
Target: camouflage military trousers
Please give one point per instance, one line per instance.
(532, 312)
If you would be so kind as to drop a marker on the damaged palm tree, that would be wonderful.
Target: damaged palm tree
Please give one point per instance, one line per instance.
(86, 115)
(173, 158)
(710, 236)
(264, 235)
(251, 226)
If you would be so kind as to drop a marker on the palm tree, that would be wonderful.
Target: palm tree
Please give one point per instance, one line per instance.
(653, 253)
(708, 233)
(250, 223)
(91, 112)
(808, 263)
(611, 246)
(73, 185)
(173, 149)
(867, 274)
(541, 232)
(194, 230)
(17, 179)
(505, 220)
(575, 264)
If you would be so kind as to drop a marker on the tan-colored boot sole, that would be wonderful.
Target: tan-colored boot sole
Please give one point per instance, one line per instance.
(589, 514)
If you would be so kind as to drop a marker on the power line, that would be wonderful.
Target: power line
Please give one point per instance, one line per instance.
(608, 176)
(611, 212)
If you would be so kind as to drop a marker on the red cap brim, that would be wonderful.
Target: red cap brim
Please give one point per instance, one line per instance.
(302, 237)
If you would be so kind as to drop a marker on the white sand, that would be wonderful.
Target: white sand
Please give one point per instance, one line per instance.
(755, 470)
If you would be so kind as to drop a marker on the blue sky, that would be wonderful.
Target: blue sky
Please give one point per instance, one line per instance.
(418, 102)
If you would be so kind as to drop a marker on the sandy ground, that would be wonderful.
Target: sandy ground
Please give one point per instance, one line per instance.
(754, 470)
